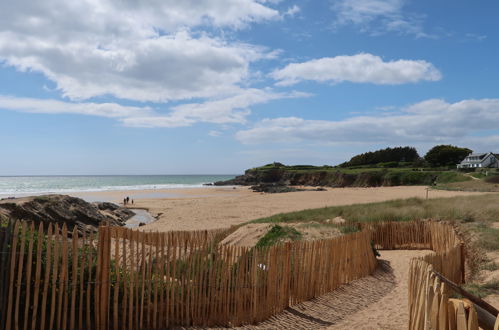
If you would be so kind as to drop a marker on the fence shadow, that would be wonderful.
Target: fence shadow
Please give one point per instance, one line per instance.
(331, 308)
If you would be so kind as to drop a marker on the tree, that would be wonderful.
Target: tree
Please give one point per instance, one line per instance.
(398, 154)
(446, 155)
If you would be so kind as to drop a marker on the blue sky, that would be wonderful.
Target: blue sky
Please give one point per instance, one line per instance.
(198, 86)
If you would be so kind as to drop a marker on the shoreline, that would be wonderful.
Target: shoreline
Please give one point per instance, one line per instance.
(117, 195)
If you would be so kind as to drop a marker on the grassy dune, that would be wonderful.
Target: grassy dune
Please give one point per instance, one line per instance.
(473, 212)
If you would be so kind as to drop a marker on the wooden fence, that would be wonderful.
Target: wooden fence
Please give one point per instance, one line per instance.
(124, 278)
(430, 306)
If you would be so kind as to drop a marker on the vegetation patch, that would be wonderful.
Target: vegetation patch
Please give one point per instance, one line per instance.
(348, 229)
(471, 185)
(483, 208)
(489, 237)
(278, 234)
(491, 266)
(492, 179)
(483, 290)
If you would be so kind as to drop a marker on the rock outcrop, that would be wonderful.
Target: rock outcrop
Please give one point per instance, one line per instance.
(281, 176)
(62, 209)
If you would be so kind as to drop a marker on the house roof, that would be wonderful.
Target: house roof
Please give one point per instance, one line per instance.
(481, 157)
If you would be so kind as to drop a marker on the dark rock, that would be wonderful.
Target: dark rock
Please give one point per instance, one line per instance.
(141, 224)
(62, 209)
(273, 188)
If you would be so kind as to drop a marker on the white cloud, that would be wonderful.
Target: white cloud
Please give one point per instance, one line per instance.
(228, 110)
(430, 121)
(47, 106)
(292, 11)
(146, 51)
(378, 16)
(360, 68)
(214, 133)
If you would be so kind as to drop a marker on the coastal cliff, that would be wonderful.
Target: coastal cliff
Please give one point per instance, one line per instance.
(62, 209)
(328, 176)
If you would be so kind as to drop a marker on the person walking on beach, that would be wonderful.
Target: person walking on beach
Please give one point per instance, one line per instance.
(124, 201)
(127, 199)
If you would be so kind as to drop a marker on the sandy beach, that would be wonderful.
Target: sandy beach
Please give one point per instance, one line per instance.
(220, 207)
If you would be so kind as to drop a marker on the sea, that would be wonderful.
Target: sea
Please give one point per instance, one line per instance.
(18, 186)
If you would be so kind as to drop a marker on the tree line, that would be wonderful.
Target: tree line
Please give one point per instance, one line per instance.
(438, 156)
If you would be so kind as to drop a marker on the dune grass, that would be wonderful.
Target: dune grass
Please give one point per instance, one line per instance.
(278, 234)
(483, 208)
(483, 290)
(475, 213)
(471, 185)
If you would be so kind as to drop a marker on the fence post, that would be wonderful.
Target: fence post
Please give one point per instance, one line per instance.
(102, 279)
(463, 263)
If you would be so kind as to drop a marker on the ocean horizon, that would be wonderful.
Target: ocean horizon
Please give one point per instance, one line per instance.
(17, 186)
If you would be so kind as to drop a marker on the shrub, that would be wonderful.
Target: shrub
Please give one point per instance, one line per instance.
(278, 234)
(492, 179)
(446, 155)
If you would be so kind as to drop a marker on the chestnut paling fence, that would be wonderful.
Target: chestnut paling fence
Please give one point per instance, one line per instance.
(121, 278)
(430, 305)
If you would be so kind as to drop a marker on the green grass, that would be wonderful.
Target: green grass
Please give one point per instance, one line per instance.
(489, 237)
(278, 234)
(484, 208)
(451, 176)
(478, 175)
(475, 213)
(483, 290)
(491, 266)
(472, 185)
(348, 229)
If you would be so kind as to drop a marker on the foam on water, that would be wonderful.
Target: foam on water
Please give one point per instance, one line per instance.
(36, 185)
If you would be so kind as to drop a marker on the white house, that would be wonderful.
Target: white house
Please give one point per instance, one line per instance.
(479, 160)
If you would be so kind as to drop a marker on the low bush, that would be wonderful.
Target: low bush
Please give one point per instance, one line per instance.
(278, 234)
(492, 179)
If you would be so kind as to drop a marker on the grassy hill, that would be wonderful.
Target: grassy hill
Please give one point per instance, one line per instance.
(359, 176)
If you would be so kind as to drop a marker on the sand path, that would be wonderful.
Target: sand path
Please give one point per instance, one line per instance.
(378, 301)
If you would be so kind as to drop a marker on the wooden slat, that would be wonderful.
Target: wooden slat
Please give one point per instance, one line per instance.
(74, 274)
(29, 263)
(13, 260)
(20, 274)
(46, 277)
(117, 278)
(38, 271)
(63, 289)
(90, 263)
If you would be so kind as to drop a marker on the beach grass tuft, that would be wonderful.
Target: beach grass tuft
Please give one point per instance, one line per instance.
(278, 234)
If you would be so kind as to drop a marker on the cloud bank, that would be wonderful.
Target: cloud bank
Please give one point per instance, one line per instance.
(145, 51)
(430, 121)
(360, 68)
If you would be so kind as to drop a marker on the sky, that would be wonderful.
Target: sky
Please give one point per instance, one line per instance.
(215, 87)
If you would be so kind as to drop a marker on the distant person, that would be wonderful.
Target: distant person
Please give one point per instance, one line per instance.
(124, 201)
(132, 201)
(127, 199)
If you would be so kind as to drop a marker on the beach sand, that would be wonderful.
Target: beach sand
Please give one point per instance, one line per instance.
(221, 207)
